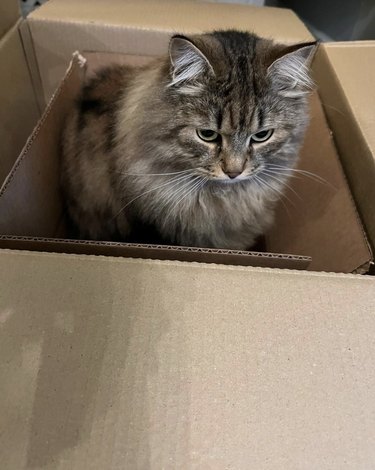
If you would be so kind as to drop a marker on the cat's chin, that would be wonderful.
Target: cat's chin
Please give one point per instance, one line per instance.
(231, 181)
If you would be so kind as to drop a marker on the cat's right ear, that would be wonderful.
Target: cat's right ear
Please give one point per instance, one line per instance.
(188, 62)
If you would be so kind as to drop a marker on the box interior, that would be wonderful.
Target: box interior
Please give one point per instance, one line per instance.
(346, 85)
(317, 218)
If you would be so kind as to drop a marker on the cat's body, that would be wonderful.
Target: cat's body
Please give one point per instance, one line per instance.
(178, 147)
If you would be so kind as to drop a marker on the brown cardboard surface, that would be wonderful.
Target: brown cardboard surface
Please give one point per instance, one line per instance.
(346, 89)
(318, 215)
(118, 363)
(37, 169)
(136, 27)
(318, 219)
(9, 14)
(18, 110)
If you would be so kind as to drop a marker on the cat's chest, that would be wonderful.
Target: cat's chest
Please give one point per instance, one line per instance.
(229, 222)
(226, 212)
(237, 206)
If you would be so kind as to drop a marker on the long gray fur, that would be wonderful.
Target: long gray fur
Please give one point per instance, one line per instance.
(133, 166)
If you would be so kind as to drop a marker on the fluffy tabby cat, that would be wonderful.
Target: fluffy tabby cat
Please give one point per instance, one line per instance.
(194, 147)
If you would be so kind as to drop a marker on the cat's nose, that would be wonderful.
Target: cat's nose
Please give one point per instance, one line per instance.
(233, 174)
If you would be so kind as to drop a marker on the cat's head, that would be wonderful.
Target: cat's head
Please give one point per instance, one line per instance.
(238, 103)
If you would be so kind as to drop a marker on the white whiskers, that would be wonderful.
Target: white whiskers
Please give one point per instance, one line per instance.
(182, 185)
(174, 181)
(261, 183)
(274, 176)
(297, 172)
(195, 187)
(192, 170)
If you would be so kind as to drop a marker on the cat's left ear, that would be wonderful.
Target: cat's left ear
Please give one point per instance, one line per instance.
(290, 72)
(188, 62)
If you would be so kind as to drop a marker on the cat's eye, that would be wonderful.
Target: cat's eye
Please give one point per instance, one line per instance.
(262, 136)
(208, 135)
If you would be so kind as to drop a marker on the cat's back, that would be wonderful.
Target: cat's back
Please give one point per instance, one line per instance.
(94, 114)
(88, 142)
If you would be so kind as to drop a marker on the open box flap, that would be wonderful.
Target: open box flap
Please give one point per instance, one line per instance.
(136, 27)
(317, 216)
(347, 77)
(129, 364)
(30, 201)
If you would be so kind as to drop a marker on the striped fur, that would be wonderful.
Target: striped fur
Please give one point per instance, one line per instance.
(134, 168)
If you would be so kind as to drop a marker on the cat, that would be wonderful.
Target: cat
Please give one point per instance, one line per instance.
(194, 148)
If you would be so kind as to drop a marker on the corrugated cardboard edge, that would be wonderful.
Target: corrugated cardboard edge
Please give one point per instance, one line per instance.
(214, 266)
(160, 252)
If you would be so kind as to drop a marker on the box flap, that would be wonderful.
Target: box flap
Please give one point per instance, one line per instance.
(116, 363)
(34, 204)
(347, 91)
(60, 27)
(18, 110)
(317, 216)
(9, 14)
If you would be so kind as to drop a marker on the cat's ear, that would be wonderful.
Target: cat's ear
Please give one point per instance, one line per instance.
(188, 62)
(290, 72)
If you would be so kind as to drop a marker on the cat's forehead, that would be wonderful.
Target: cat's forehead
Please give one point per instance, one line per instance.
(236, 110)
(239, 118)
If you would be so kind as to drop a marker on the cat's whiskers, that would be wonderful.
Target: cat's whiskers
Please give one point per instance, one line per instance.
(277, 191)
(190, 170)
(273, 175)
(260, 182)
(299, 172)
(194, 188)
(171, 193)
(174, 181)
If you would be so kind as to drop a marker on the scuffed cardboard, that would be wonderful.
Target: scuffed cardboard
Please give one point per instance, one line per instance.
(114, 363)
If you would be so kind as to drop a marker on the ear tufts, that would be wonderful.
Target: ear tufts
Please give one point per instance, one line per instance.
(188, 62)
(290, 72)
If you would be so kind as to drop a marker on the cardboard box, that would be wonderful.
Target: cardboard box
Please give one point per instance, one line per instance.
(321, 223)
(113, 363)
(18, 110)
(130, 363)
(9, 15)
(349, 103)
(140, 28)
